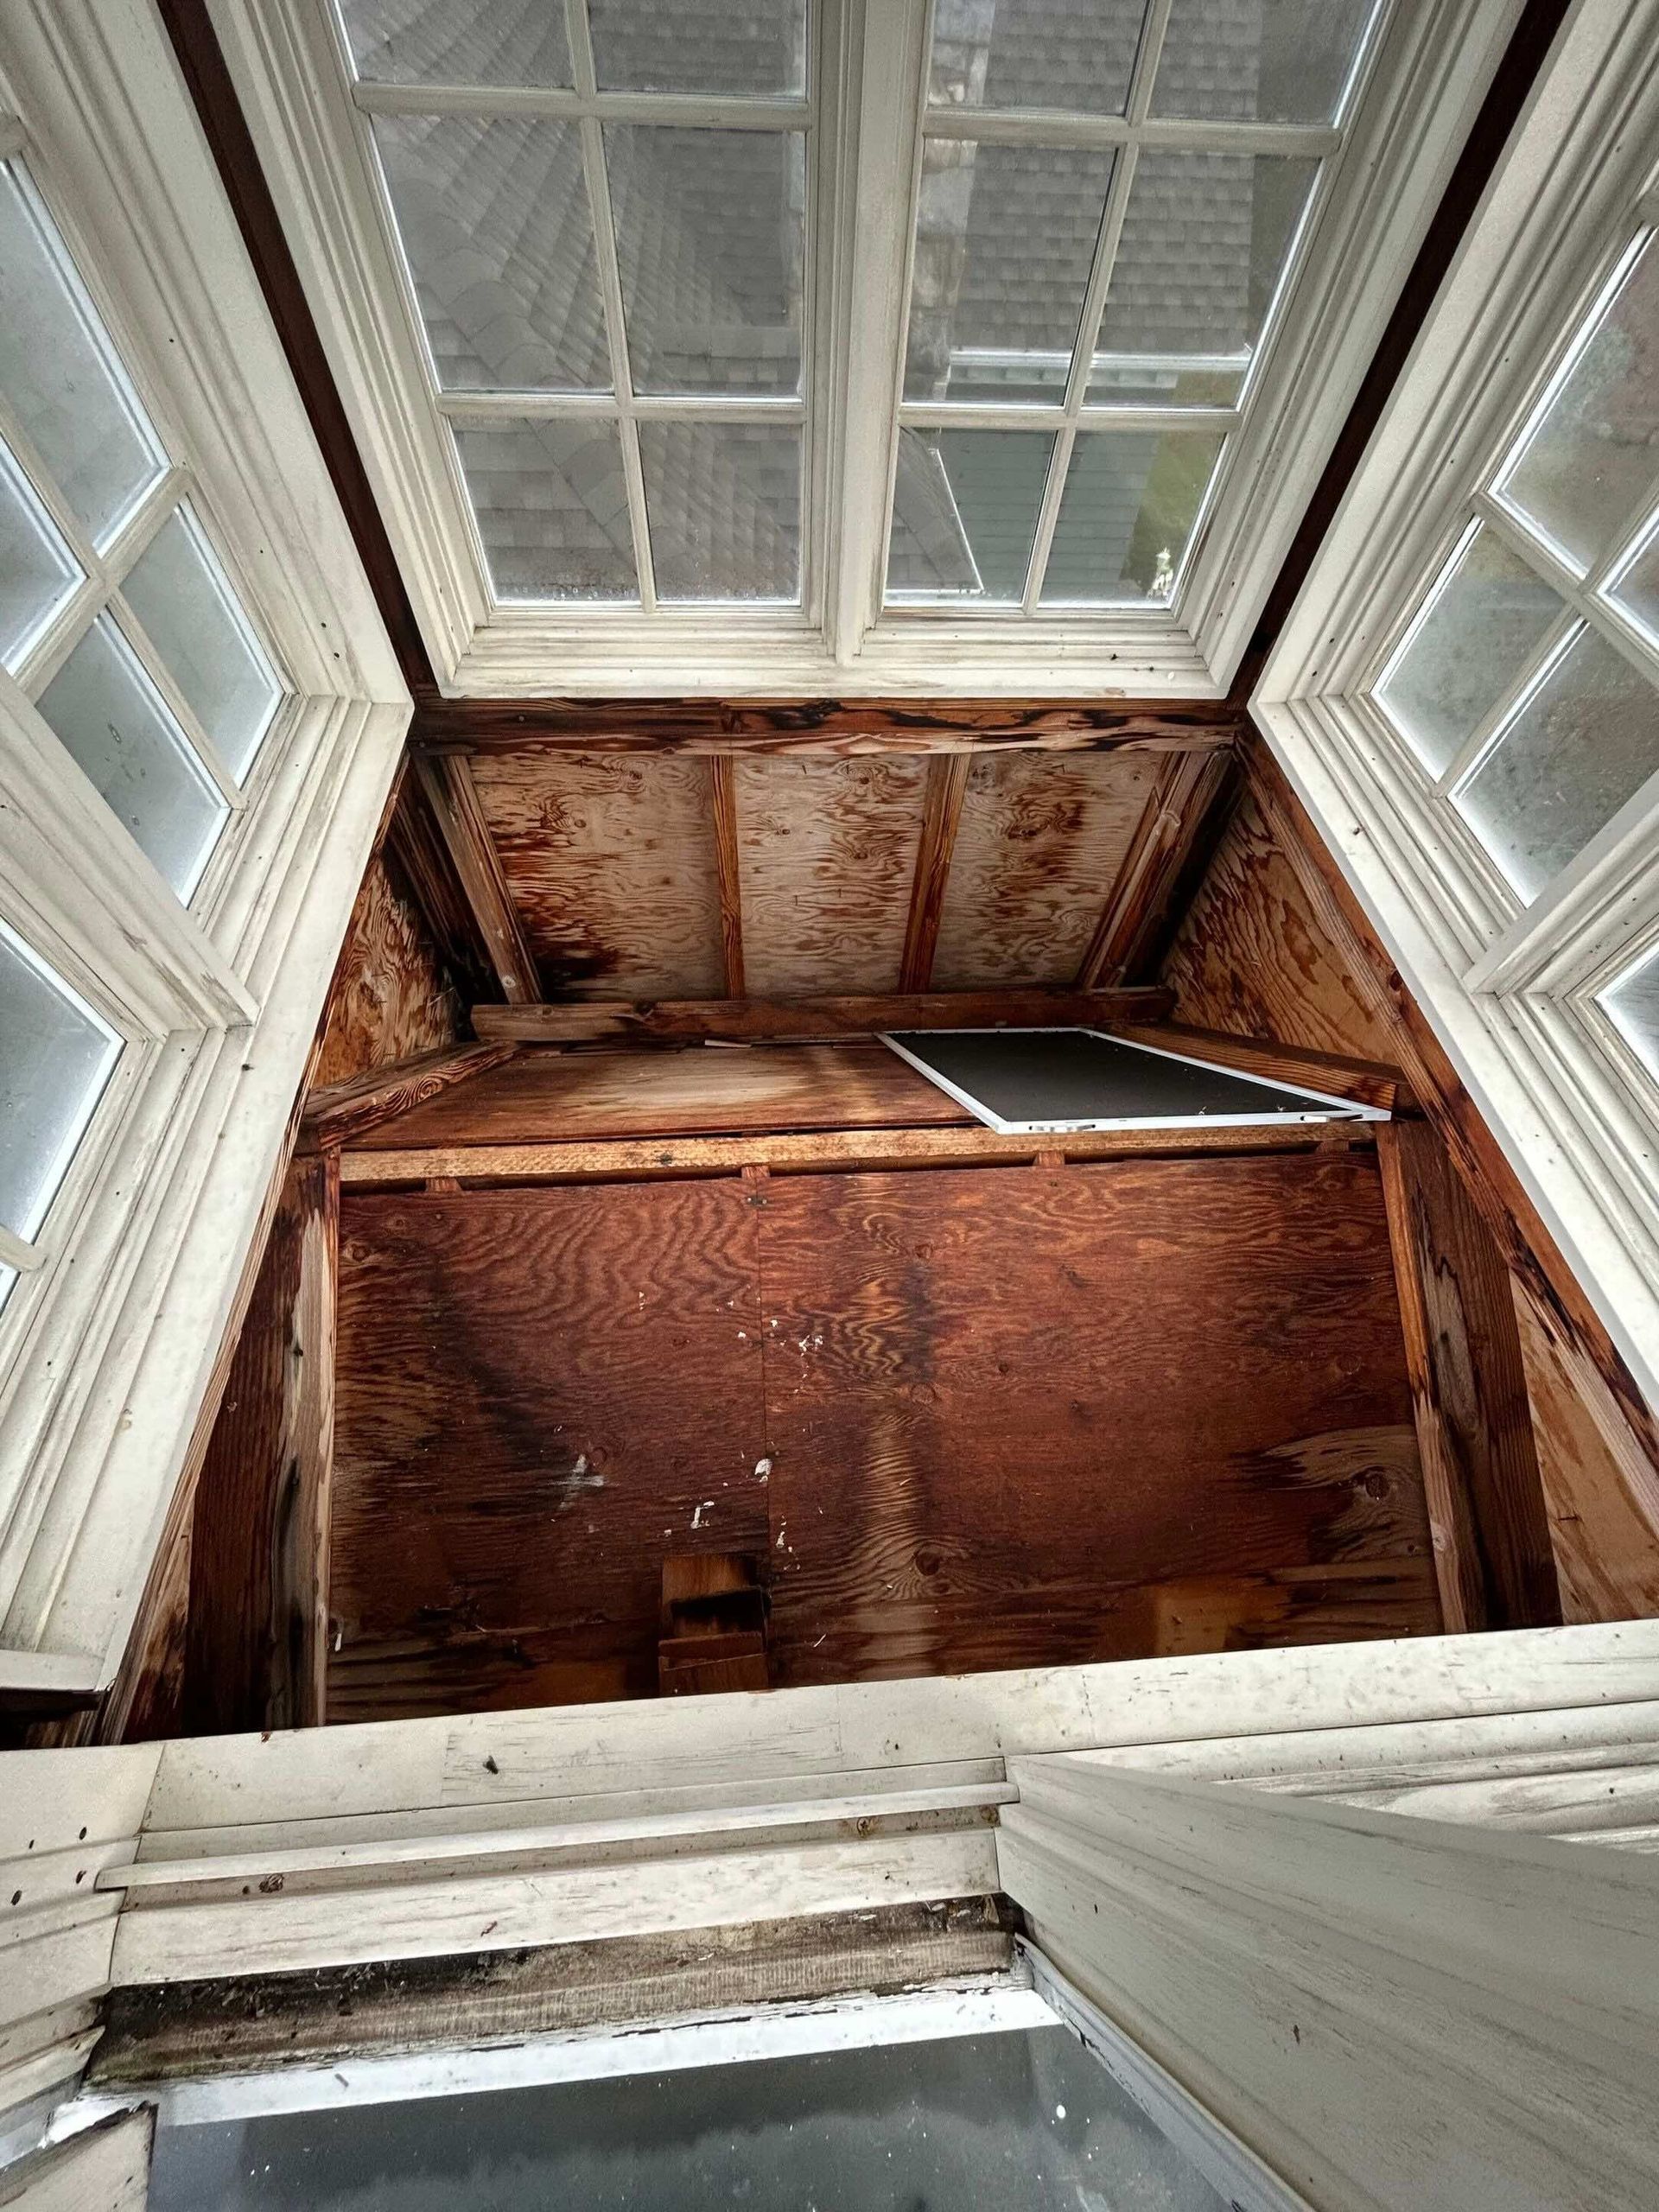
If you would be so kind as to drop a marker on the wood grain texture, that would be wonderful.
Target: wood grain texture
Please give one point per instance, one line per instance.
(339, 1112)
(612, 864)
(258, 1617)
(947, 785)
(1042, 839)
(824, 727)
(1474, 1429)
(827, 855)
(543, 1097)
(392, 997)
(756, 1020)
(1182, 794)
(723, 789)
(1362, 1081)
(447, 785)
(540, 1393)
(1006, 1405)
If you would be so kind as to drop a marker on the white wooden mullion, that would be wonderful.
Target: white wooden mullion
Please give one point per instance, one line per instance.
(1048, 514)
(675, 110)
(485, 407)
(1035, 127)
(1473, 753)
(1579, 593)
(178, 706)
(17, 1252)
(926, 415)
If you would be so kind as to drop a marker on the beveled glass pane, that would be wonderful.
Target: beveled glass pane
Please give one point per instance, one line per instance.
(59, 371)
(38, 572)
(1258, 60)
(723, 501)
(1076, 54)
(552, 508)
(1637, 590)
(1587, 739)
(756, 48)
(1005, 239)
(964, 514)
(179, 591)
(711, 239)
(447, 42)
(1130, 501)
(1485, 623)
(55, 1057)
(1588, 464)
(1633, 1003)
(1204, 242)
(494, 216)
(119, 727)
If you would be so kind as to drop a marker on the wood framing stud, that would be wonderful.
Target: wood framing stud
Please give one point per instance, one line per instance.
(1182, 794)
(446, 781)
(1492, 1553)
(947, 783)
(723, 792)
(1368, 1083)
(340, 1112)
(585, 1022)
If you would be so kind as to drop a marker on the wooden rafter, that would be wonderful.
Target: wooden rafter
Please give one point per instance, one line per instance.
(341, 1111)
(947, 785)
(1182, 793)
(447, 782)
(1368, 1083)
(723, 792)
(584, 1021)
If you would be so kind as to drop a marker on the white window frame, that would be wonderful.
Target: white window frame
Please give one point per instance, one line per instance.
(109, 1339)
(1509, 989)
(1428, 70)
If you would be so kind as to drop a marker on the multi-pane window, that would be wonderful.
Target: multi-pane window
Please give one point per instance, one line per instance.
(116, 614)
(603, 214)
(1110, 203)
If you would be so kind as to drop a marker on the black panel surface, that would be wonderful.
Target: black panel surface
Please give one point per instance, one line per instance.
(1072, 1075)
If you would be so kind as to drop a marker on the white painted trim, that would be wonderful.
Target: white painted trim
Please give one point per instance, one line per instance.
(1241, 2181)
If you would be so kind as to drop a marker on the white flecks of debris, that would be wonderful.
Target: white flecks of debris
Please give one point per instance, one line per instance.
(708, 1506)
(762, 1469)
(782, 1526)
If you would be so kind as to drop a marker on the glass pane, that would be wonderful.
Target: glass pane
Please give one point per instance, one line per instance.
(60, 372)
(1204, 242)
(1057, 53)
(1588, 463)
(755, 47)
(1258, 60)
(1005, 239)
(1468, 653)
(709, 235)
(117, 724)
(964, 514)
(724, 505)
(55, 1057)
(1126, 515)
(1633, 1002)
(38, 572)
(1587, 739)
(1638, 589)
(417, 42)
(552, 509)
(184, 600)
(493, 219)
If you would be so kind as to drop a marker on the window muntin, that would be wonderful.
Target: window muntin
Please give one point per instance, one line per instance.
(1060, 275)
(119, 619)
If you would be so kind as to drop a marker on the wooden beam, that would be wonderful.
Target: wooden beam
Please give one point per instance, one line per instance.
(723, 787)
(257, 1636)
(1492, 1553)
(1368, 1083)
(947, 783)
(1182, 794)
(587, 1021)
(446, 779)
(626, 1160)
(824, 725)
(339, 1112)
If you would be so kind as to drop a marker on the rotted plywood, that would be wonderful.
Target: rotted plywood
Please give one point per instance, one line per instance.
(391, 998)
(544, 1096)
(610, 861)
(1026, 1417)
(539, 1393)
(826, 857)
(1040, 843)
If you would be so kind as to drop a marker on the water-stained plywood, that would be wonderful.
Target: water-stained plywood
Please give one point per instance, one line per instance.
(539, 1393)
(826, 858)
(1021, 1416)
(391, 998)
(544, 1095)
(609, 860)
(1040, 842)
